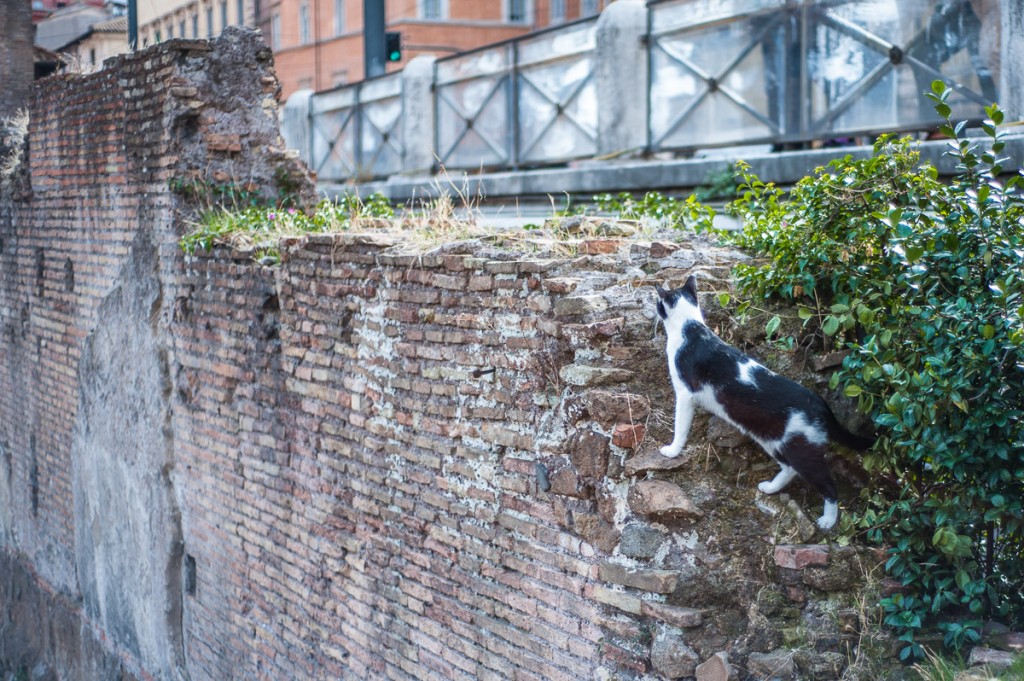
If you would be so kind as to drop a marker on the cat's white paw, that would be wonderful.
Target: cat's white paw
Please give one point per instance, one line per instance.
(766, 487)
(829, 515)
(670, 452)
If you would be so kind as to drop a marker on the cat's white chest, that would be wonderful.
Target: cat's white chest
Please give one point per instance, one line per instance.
(673, 345)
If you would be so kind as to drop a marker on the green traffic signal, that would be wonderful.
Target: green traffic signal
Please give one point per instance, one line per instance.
(393, 45)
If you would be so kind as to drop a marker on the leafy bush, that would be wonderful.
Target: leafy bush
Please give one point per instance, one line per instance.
(922, 282)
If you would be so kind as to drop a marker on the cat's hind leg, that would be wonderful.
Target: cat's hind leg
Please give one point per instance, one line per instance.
(809, 460)
(683, 419)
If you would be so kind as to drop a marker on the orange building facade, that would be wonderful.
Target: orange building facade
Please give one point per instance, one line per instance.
(318, 44)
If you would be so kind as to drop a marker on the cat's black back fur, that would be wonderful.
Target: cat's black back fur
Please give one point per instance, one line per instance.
(761, 409)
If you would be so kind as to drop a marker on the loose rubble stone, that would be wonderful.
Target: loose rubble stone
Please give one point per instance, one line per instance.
(660, 498)
(601, 534)
(561, 285)
(824, 666)
(845, 571)
(652, 460)
(716, 668)
(799, 556)
(589, 452)
(655, 581)
(629, 436)
(600, 246)
(989, 657)
(617, 599)
(777, 664)
(565, 482)
(832, 359)
(671, 657)
(1010, 640)
(587, 376)
(640, 540)
(660, 249)
(683, 618)
(580, 305)
(608, 408)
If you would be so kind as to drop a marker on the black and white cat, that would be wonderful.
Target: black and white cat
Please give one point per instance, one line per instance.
(791, 423)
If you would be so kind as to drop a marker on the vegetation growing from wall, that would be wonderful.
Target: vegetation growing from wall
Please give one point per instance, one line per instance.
(921, 281)
(234, 215)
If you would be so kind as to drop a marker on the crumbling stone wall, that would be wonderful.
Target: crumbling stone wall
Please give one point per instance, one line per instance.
(365, 462)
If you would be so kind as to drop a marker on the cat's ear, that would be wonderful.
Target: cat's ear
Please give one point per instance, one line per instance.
(662, 293)
(691, 286)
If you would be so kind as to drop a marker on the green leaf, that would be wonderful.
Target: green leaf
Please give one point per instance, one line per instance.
(772, 326)
(805, 313)
(723, 299)
(852, 390)
(913, 253)
(830, 326)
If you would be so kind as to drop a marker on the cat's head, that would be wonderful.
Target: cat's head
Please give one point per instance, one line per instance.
(679, 305)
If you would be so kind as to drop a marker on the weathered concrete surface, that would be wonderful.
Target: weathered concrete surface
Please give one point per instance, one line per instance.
(418, 121)
(127, 525)
(621, 78)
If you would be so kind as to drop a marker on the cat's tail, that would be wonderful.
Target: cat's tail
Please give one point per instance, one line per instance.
(840, 435)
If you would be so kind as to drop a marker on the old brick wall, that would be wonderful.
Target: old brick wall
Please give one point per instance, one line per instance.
(361, 438)
(444, 465)
(370, 461)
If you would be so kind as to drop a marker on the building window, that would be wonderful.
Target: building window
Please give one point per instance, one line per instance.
(241, 12)
(223, 15)
(303, 23)
(170, 31)
(557, 11)
(209, 21)
(339, 78)
(339, 17)
(275, 31)
(430, 9)
(195, 25)
(588, 7)
(181, 28)
(92, 56)
(158, 35)
(518, 12)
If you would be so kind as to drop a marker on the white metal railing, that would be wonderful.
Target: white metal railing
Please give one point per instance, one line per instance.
(741, 71)
(356, 131)
(719, 72)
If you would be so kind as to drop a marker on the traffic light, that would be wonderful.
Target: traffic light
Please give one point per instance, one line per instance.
(393, 45)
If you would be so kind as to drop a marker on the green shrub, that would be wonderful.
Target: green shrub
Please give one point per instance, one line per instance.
(922, 282)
